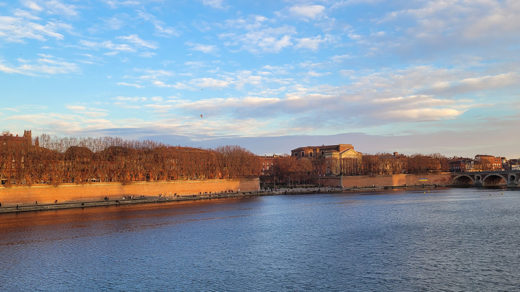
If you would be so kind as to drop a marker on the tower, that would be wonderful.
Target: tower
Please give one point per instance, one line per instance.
(28, 137)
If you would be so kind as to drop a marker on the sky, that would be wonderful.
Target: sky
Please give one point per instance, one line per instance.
(408, 76)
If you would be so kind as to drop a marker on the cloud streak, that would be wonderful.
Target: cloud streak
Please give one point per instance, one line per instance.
(307, 11)
(42, 66)
(18, 29)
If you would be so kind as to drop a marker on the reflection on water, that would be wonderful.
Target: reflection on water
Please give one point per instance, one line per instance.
(42, 226)
(459, 239)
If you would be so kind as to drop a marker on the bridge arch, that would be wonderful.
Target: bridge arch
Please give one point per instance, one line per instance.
(513, 178)
(463, 180)
(494, 180)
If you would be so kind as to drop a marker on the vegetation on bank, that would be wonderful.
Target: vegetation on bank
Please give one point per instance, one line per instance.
(52, 160)
(288, 170)
(72, 160)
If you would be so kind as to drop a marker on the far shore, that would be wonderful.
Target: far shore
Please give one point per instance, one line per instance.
(131, 200)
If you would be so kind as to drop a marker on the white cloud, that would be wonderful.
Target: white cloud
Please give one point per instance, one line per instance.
(307, 11)
(344, 3)
(317, 74)
(238, 79)
(160, 108)
(43, 65)
(130, 84)
(88, 111)
(374, 99)
(118, 3)
(177, 85)
(423, 114)
(61, 123)
(25, 14)
(32, 5)
(210, 83)
(271, 40)
(214, 3)
(132, 45)
(476, 84)
(76, 107)
(16, 29)
(253, 22)
(154, 74)
(311, 43)
(113, 23)
(217, 104)
(131, 98)
(276, 44)
(491, 81)
(157, 78)
(202, 48)
(7, 69)
(165, 30)
(256, 36)
(161, 29)
(108, 45)
(340, 58)
(57, 7)
(136, 40)
(458, 24)
(245, 77)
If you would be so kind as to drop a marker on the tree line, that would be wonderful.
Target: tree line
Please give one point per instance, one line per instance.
(55, 160)
(291, 170)
(108, 159)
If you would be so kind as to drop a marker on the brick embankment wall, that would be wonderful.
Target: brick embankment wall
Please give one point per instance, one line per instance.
(395, 180)
(45, 194)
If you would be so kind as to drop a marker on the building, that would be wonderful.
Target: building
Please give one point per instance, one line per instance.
(462, 165)
(514, 164)
(488, 162)
(480, 163)
(326, 151)
(337, 159)
(267, 164)
(8, 140)
(13, 150)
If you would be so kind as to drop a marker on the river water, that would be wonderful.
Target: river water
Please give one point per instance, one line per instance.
(453, 240)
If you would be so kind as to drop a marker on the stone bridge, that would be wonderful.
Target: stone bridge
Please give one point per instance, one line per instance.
(487, 178)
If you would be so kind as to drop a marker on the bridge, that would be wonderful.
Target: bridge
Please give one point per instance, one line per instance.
(487, 178)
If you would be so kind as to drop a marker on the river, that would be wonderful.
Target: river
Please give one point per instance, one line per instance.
(452, 240)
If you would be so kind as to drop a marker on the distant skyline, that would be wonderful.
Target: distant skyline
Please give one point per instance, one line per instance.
(406, 76)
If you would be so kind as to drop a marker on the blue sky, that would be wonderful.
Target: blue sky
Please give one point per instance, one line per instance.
(408, 76)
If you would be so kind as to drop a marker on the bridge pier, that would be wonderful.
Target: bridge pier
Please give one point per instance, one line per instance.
(478, 180)
(513, 180)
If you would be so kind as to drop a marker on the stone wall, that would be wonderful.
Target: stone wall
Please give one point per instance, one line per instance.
(387, 180)
(45, 194)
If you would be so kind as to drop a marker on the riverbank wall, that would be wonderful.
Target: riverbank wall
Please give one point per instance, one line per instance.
(131, 200)
(65, 196)
(95, 192)
(382, 181)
